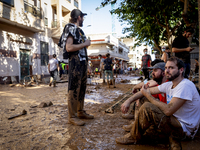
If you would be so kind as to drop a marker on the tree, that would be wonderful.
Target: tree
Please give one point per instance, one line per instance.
(153, 21)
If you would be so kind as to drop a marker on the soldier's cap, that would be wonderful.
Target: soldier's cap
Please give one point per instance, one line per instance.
(160, 65)
(76, 12)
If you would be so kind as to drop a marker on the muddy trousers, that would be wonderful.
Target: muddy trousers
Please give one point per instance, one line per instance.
(54, 74)
(102, 74)
(149, 115)
(146, 73)
(76, 85)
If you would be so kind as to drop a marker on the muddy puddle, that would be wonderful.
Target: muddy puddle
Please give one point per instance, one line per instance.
(47, 128)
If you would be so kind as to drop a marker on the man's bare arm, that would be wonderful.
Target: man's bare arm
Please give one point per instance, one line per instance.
(177, 50)
(138, 95)
(167, 109)
(70, 47)
(151, 83)
(49, 67)
(58, 68)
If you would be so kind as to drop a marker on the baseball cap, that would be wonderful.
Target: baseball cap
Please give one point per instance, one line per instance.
(76, 12)
(160, 65)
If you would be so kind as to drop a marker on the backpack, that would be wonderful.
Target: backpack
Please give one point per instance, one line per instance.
(62, 44)
(63, 38)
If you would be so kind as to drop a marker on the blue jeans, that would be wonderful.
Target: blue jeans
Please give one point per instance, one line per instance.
(187, 70)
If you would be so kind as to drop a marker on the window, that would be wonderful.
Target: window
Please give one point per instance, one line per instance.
(75, 3)
(8, 2)
(38, 4)
(44, 48)
(32, 8)
(45, 15)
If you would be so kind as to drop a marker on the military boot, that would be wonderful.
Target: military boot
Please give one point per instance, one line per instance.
(83, 115)
(76, 121)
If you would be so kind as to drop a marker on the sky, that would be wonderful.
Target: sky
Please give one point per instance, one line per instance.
(101, 20)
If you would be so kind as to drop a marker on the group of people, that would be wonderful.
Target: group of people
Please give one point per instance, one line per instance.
(169, 103)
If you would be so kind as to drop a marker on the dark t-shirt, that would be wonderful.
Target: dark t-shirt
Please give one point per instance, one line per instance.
(182, 42)
(107, 64)
(146, 61)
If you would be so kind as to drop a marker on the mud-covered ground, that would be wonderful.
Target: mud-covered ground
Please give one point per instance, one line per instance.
(47, 128)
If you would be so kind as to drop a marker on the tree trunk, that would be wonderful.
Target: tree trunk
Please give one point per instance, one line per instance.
(199, 34)
(157, 46)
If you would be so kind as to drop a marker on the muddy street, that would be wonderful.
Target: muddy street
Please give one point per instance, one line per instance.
(47, 127)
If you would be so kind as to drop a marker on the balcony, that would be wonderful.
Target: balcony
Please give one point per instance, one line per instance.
(57, 29)
(35, 11)
(22, 17)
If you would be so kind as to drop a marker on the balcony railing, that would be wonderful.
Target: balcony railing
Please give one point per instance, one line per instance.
(32, 9)
(46, 21)
(10, 2)
(54, 24)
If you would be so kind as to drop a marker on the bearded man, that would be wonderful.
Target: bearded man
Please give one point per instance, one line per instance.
(158, 78)
(178, 120)
(75, 45)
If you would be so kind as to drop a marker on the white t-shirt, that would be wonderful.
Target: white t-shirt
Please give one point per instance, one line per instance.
(102, 61)
(53, 64)
(189, 114)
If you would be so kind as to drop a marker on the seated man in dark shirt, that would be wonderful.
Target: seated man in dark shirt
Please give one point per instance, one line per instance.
(181, 48)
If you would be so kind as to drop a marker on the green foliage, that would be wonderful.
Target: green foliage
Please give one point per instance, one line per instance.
(153, 21)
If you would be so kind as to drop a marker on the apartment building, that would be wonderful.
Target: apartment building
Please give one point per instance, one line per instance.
(29, 33)
(107, 43)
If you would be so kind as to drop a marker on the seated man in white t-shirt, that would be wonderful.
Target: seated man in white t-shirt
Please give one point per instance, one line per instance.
(179, 119)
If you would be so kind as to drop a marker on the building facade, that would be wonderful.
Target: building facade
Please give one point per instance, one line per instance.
(106, 43)
(29, 33)
(136, 53)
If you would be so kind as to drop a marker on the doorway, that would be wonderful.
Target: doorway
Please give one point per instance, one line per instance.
(24, 63)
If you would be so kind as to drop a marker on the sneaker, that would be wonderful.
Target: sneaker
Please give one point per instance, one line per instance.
(128, 116)
(128, 128)
(83, 115)
(76, 121)
(125, 140)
